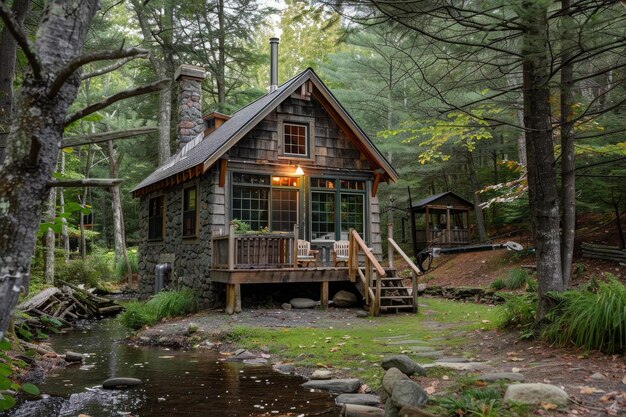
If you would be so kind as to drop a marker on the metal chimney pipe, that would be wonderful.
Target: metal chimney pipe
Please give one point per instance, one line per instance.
(273, 64)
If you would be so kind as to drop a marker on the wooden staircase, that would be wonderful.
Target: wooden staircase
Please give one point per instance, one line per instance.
(382, 289)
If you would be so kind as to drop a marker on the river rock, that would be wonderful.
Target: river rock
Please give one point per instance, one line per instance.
(460, 366)
(319, 374)
(285, 368)
(390, 409)
(405, 364)
(362, 314)
(241, 355)
(356, 410)
(391, 378)
(302, 303)
(255, 361)
(192, 328)
(500, 376)
(408, 392)
(598, 376)
(121, 382)
(421, 288)
(344, 299)
(359, 399)
(535, 393)
(286, 306)
(334, 385)
(74, 357)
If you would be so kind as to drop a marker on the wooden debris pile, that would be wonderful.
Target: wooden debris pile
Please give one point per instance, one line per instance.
(68, 304)
(604, 252)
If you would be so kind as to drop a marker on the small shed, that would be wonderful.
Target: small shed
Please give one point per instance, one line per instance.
(441, 220)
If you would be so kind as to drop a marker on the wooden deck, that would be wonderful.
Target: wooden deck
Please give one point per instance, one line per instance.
(279, 275)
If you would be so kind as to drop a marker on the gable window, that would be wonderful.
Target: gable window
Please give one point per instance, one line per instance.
(155, 218)
(265, 202)
(295, 139)
(336, 207)
(190, 211)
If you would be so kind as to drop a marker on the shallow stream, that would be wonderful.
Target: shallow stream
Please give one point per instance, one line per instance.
(175, 383)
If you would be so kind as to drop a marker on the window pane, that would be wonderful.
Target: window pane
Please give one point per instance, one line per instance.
(284, 210)
(250, 205)
(189, 212)
(323, 215)
(322, 183)
(295, 139)
(352, 213)
(155, 218)
(352, 185)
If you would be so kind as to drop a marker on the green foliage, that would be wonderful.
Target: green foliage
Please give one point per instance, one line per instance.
(590, 319)
(138, 314)
(517, 278)
(75, 271)
(498, 284)
(7, 368)
(241, 226)
(121, 269)
(519, 310)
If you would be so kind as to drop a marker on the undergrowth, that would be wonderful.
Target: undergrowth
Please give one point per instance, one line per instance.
(138, 314)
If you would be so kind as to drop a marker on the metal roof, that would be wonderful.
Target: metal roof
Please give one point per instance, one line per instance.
(207, 150)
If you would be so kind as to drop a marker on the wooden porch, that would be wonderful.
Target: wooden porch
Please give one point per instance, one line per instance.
(240, 259)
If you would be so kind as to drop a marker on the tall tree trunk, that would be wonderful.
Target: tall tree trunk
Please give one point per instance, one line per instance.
(568, 165)
(50, 238)
(118, 215)
(542, 184)
(33, 142)
(83, 202)
(65, 237)
(8, 54)
(220, 76)
(480, 216)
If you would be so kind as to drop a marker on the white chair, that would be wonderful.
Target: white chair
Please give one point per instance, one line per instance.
(306, 256)
(340, 252)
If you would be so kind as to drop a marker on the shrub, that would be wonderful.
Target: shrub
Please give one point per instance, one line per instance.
(138, 314)
(121, 269)
(591, 320)
(519, 310)
(498, 284)
(77, 272)
(517, 278)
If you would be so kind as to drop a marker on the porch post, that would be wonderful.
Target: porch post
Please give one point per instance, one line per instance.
(231, 246)
(448, 228)
(295, 244)
(324, 294)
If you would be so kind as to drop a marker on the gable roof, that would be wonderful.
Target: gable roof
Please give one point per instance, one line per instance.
(205, 151)
(425, 201)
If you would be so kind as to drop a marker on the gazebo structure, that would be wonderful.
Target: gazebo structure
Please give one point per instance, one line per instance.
(441, 220)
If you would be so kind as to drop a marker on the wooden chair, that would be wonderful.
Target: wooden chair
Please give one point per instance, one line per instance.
(306, 256)
(340, 252)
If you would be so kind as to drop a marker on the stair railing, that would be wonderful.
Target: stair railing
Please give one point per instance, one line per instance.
(369, 275)
(415, 271)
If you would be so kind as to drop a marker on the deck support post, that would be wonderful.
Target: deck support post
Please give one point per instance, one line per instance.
(296, 230)
(233, 298)
(414, 284)
(231, 246)
(324, 294)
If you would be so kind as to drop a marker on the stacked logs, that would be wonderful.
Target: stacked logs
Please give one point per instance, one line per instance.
(67, 304)
(604, 252)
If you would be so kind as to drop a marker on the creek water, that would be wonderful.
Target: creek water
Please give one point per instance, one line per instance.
(175, 383)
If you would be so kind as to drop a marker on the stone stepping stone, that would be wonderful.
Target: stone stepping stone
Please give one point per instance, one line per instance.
(433, 354)
(73, 357)
(500, 376)
(121, 382)
(467, 366)
(535, 393)
(403, 363)
(335, 385)
(321, 374)
(359, 399)
(421, 349)
(453, 359)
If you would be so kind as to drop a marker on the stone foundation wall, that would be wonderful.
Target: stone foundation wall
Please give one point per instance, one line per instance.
(190, 257)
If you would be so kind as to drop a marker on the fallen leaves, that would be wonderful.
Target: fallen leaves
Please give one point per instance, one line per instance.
(589, 390)
(549, 406)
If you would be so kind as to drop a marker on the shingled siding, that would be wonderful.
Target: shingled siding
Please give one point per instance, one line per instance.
(332, 148)
(190, 257)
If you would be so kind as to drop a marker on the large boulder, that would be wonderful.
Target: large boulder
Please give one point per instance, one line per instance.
(405, 364)
(334, 385)
(344, 299)
(303, 303)
(408, 393)
(535, 393)
(391, 378)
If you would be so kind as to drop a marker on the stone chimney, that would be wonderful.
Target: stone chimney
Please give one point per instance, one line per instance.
(190, 122)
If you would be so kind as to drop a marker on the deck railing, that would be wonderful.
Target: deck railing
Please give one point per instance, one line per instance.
(453, 236)
(253, 251)
(369, 275)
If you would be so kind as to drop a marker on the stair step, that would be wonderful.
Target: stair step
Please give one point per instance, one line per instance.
(396, 297)
(395, 288)
(398, 307)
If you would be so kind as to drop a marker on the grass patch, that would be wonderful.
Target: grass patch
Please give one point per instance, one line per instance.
(138, 314)
(498, 284)
(121, 268)
(517, 278)
(362, 345)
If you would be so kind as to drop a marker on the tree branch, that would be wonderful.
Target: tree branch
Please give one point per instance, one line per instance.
(106, 136)
(76, 63)
(146, 89)
(107, 69)
(86, 182)
(21, 38)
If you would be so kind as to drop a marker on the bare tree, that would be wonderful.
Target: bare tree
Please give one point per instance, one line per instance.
(49, 87)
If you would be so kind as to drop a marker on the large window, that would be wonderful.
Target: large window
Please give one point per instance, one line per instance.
(155, 218)
(295, 139)
(336, 207)
(190, 211)
(265, 202)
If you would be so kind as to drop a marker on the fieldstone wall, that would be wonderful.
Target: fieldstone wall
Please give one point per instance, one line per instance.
(190, 122)
(190, 257)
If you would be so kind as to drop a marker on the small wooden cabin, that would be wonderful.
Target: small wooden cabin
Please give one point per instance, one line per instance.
(441, 220)
(293, 165)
